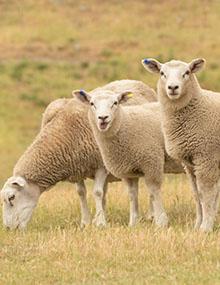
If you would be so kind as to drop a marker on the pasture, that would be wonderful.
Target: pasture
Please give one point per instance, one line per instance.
(47, 49)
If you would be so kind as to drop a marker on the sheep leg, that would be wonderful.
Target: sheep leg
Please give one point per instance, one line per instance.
(160, 215)
(150, 213)
(132, 185)
(195, 191)
(99, 192)
(85, 213)
(105, 190)
(217, 200)
(208, 200)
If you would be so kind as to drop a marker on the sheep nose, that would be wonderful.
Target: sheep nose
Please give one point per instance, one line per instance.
(103, 118)
(173, 87)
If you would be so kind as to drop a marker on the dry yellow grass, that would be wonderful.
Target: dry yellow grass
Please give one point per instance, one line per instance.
(54, 250)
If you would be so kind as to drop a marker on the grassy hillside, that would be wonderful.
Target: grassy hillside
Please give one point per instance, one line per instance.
(47, 49)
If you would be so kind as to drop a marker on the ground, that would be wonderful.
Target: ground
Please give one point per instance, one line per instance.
(49, 48)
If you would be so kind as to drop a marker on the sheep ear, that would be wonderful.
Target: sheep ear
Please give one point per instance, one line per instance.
(152, 65)
(196, 64)
(18, 182)
(82, 95)
(123, 97)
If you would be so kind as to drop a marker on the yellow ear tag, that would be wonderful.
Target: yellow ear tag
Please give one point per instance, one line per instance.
(130, 95)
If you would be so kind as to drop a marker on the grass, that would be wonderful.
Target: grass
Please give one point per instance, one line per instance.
(47, 49)
(55, 251)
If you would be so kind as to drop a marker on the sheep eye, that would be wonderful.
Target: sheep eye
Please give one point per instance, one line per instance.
(162, 74)
(186, 73)
(11, 198)
(114, 104)
(93, 105)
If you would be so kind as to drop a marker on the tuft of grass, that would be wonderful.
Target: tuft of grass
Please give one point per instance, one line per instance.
(18, 70)
(42, 66)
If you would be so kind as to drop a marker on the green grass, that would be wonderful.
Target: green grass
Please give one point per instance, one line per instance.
(49, 48)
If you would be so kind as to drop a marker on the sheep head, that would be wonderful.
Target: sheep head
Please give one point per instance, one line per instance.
(174, 75)
(19, 200)
(103, 105)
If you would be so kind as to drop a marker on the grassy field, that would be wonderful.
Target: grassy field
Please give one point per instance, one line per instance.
(47, 49)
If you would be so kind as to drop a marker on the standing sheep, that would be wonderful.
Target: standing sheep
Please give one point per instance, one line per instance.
(191, 125)
(131, 144)
(65, 149)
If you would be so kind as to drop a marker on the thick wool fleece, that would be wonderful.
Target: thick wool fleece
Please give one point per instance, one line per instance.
(65, 148)
(52, 109)
(191, 127)
(134, 144)
(141, 91)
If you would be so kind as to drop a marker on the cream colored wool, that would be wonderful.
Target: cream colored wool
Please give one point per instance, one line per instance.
(140, 90)
(191, 125)
(52, 109)
(65, 149)
(132, 146)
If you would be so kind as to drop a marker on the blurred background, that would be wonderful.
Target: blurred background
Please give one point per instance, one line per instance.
(48, 48)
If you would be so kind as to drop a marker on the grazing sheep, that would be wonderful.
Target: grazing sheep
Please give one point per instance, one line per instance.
(131, 144)
(52, 109)
(65, 149)
(191, 125)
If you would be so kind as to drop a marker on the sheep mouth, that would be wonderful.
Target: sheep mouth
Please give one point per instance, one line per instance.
(173, 95)
(103, 125)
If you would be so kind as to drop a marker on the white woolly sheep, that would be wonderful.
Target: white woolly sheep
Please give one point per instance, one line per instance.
(191, 125)
(131, 144)
(64, 149)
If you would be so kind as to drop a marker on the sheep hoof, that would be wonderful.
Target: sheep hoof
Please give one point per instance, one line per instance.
(100, 224)
(85, 223)
(197, 224)
(206, 227)
(99, 220)
(133, 222)
(162, 220)
(150, 216)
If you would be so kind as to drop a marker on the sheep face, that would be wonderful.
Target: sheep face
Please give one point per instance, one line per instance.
(104, 106)
(19, 200)
(174, 75)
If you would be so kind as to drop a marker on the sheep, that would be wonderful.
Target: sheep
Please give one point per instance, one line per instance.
(191, 126)
(52, 109)
(131, 144)
(64, 149)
